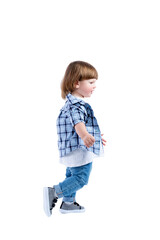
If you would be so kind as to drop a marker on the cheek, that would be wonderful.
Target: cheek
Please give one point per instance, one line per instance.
(88, 88)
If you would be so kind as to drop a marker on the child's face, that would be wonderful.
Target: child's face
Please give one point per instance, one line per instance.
(85, 88)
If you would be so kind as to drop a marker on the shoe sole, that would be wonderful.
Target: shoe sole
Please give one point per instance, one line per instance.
(71, 211)
(46, 202)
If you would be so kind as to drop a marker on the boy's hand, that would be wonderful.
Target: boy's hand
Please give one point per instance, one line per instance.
(88, 140)
(103, 140)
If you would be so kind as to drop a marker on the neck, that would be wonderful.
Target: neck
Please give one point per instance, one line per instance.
(76, 94)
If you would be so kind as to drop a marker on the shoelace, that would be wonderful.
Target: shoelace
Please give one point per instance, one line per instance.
(53, 203)
(75, 203)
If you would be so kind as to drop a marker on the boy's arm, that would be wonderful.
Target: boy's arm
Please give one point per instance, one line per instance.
(87, 138)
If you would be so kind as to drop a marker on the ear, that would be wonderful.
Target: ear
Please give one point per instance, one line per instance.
(77, 84)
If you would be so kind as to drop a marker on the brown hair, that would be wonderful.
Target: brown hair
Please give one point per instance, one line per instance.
(76, 71)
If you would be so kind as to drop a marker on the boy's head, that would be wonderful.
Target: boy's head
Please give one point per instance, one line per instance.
(79, 78)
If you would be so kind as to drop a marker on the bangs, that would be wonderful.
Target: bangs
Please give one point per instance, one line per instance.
(88, 72)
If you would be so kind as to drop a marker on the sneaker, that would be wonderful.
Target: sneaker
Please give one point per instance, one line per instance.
(49, 200)
(71, 208)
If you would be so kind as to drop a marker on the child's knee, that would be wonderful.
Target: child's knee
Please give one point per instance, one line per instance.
(83, 180)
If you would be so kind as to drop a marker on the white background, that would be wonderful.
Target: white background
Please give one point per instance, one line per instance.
(38, 40)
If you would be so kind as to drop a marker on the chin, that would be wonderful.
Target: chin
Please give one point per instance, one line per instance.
(87, 95)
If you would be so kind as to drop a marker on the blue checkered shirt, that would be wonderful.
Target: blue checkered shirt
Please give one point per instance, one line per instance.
(74, 111)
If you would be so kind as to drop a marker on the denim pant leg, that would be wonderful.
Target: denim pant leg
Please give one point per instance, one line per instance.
(71, 197)
(76, 178)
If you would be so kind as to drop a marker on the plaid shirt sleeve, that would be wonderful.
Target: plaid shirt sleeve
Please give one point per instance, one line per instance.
(76, 115)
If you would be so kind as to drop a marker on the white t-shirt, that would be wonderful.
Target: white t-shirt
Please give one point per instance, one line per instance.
(80, 157)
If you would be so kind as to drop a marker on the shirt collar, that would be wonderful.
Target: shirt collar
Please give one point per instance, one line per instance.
(73, 100)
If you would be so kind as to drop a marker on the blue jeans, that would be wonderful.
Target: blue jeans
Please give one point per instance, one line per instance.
(76, 178)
